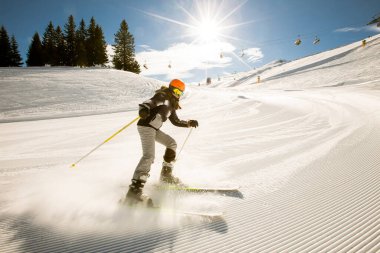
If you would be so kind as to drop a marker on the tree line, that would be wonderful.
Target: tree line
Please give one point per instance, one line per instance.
(9, 54)
(82, 46)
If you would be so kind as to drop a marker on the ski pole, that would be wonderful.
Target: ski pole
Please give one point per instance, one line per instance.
(124, 127)
(191, 129)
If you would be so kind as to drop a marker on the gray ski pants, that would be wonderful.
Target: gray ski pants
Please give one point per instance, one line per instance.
(148, 138)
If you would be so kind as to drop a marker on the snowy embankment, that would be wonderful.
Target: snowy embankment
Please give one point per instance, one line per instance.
(303, 145)
(45, 93)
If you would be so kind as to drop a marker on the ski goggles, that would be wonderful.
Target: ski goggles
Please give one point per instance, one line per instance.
(177, 92)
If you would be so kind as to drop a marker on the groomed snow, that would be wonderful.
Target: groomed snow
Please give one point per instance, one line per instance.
(303, 145)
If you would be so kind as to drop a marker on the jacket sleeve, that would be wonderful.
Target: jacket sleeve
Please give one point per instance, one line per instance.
(176, 121)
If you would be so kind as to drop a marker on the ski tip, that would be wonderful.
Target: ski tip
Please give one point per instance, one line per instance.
(212, 216)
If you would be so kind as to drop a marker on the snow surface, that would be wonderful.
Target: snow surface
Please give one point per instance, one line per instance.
(303, 145)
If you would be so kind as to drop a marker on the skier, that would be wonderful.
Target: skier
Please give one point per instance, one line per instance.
(364, 42)
(154, 112)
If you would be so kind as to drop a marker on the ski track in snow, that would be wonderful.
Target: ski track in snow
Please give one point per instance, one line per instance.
(304, 147)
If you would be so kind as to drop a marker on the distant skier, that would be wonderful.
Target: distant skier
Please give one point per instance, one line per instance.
(154, 112)
(364, 42)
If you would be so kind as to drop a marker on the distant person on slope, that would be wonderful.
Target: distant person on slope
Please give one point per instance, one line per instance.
(154, 112)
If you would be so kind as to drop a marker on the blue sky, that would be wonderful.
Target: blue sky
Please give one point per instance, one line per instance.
(206, 37)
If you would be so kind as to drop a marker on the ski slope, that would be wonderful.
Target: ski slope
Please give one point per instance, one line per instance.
(303, 145)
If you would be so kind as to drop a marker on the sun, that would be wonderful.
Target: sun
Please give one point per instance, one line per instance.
(206, 30)
(208, 23)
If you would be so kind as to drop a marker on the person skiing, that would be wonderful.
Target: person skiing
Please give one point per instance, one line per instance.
(153, 113)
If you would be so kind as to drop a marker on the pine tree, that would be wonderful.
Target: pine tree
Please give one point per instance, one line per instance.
(100, 47)
(124, 47)
(95, 45)
(81, 36)
(5, 48)
(90, 43)
(35, 52)
(60, 46)
(49, 45)
(15, 59)
(70, 38)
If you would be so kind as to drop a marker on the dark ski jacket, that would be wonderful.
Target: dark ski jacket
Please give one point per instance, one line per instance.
(162, 106)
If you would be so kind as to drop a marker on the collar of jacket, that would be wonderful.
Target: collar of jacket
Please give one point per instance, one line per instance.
(173, 100)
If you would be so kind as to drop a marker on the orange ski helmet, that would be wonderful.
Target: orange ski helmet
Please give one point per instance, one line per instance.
(177, 84)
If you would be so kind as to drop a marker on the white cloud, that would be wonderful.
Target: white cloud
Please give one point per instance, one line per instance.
(146, 47)
(253, 54)
(348, 29)
(110, 54)
(372, 28)
(184, 58)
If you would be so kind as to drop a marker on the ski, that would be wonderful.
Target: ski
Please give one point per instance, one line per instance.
(186, 188)
(149, 206)
(207, 215)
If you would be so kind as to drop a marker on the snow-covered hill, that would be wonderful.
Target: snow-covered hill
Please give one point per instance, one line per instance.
(40, 93)
(303, 145)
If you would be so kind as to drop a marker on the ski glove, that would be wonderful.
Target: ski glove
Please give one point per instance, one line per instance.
(144, 111)
(192, 123)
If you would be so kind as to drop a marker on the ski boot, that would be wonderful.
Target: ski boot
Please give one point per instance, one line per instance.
(135, 194)
(167, 176)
